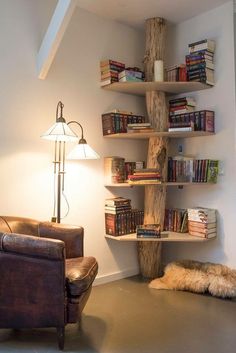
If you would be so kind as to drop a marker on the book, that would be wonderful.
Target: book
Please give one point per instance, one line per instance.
(181, 110)
(117, 201)
(143, 130)
(107, 82)
(180, 129)
(202, 214)
(144, 182)
(130, 73)
(139, 125)
(108, 62)
(148, 231)
(130, 79)
(203, 235)
(212, 171)
(205, 44)
(203, 80)
(199, 64)
(114, 170)
(182, 102)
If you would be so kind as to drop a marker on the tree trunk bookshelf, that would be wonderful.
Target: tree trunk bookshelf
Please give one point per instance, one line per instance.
(149, 250)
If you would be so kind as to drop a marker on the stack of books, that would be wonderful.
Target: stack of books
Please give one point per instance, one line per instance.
(131, 74)
(176, 73)
(199, 62)
(120, 219)
(202, 222)
(109, 71)
(188, 169)
(131, 166)
(139, 127)
(179, 113)
(145, 176)
(176, 220)
(114, 170)
(116, 121)
(148, 231)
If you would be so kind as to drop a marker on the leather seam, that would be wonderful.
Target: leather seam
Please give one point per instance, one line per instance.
(6, 224)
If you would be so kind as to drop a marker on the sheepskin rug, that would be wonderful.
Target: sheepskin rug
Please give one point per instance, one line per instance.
(198, 277)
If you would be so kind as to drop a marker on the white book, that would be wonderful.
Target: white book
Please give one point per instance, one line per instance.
(206, 44)
(180, 129)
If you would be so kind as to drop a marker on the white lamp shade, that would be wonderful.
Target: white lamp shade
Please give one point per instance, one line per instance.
(60, 131)
(83, 151)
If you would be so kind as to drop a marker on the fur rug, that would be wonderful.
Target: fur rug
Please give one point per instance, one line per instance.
(198, 277)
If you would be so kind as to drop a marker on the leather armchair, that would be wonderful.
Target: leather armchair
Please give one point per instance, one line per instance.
(45, 278)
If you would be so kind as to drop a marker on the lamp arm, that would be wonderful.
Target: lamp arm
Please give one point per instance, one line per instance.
(60, 118)
(76, 122)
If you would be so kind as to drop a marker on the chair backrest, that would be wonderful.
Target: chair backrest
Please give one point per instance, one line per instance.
(19, 225)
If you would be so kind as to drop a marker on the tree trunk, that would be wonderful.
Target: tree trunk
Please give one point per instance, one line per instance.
(155, 196)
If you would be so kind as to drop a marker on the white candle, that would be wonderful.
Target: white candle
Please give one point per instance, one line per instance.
(158, 70)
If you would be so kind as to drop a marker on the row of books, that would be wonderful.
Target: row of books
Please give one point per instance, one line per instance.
(176, 220)
(145, 176)
(202, 222)
(115, 71)
(120, 218)
(176, 73)
(118, 121)
(199, 62)
(188, 169)
(203, 120)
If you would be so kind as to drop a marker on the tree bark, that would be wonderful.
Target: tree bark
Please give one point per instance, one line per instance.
(149, 253)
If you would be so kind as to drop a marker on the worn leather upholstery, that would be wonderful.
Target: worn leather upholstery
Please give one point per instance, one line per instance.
(45, 279)
(80, 273)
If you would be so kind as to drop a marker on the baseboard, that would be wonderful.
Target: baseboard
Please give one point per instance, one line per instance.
(115, 276)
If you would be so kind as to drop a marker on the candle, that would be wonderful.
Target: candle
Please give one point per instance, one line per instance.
(158, 70)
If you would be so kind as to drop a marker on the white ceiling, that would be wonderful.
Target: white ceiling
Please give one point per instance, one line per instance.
(134, 12)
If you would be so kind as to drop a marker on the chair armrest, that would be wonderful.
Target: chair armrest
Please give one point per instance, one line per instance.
(32, 246)
(72, 236)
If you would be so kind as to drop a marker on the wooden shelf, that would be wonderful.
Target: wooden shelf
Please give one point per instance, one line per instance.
(147, 135)
(127, 185)
(140, 88)
(167, 237)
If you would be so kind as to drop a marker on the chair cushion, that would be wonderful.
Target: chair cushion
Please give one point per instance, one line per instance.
(80, 274)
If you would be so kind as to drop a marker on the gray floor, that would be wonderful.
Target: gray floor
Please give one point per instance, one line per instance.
(126, 317)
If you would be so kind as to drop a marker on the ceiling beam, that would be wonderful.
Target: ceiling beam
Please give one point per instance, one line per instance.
(54, 35)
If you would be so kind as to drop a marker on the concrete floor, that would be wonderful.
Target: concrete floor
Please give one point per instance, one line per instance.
(127, 317)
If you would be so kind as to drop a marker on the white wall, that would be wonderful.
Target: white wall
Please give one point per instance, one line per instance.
(27, 107)
(216, 24)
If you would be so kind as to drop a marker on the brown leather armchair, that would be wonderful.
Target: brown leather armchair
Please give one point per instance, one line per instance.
(45, 278)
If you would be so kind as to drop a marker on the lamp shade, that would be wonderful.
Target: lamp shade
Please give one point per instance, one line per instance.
(60, 131)
(83, 151)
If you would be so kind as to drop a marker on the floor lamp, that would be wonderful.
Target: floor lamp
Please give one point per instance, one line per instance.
(61, 133)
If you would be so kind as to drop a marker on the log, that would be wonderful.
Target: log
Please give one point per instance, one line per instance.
(149, 253)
